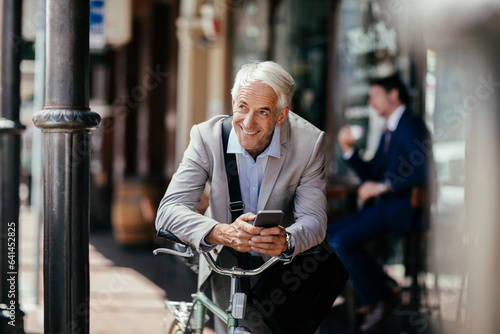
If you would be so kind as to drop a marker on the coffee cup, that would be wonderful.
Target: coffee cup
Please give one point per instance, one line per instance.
(357, 132)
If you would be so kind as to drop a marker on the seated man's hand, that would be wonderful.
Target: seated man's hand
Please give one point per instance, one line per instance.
(271, 241)
(371, 189)
(345, 138)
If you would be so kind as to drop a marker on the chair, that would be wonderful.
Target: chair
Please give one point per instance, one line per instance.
(415, 248)
(414, 258)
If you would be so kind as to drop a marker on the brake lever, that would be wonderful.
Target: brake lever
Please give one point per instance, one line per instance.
(188, 252)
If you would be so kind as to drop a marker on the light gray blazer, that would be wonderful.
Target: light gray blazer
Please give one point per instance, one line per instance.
(295, 183)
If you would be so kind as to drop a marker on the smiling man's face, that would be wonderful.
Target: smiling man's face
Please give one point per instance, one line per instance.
(255, 115)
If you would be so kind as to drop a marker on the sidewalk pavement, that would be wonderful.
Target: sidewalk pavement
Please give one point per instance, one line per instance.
(121, 299)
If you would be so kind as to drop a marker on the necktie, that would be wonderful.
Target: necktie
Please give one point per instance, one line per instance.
(387, 139)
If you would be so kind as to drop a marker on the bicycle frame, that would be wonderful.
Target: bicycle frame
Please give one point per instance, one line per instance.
(191, 315)
(201, 303)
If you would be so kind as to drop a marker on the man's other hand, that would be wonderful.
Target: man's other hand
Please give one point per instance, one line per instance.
(371, 189)
(345, 138)
(271, 241)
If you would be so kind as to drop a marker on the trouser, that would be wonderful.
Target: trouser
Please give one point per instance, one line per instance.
(347, 236)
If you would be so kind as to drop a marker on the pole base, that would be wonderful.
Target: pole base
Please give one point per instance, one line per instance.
(11, 320)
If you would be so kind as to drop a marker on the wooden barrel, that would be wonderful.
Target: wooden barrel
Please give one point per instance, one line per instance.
(134, 210)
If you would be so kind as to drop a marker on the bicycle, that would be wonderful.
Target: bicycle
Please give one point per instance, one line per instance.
(190, 317)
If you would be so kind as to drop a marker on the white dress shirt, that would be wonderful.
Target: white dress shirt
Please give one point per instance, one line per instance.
(393, 120)
(251, 172)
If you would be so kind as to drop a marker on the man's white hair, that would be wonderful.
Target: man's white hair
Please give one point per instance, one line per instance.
(269, 73)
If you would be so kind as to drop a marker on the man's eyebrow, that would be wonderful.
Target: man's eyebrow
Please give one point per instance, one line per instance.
(266, 108)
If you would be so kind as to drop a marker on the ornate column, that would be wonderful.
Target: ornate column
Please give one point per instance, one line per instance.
(66, 122)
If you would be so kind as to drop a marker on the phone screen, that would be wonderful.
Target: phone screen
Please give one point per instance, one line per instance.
(268, 218)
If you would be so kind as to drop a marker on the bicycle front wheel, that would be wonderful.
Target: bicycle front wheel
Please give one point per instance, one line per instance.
(175, 328)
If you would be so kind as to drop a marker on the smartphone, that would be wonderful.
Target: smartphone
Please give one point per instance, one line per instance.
(268, 218)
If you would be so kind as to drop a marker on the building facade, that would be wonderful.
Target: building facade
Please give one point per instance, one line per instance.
(173, 63)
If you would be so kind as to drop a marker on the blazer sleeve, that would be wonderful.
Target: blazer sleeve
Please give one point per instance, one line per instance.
(309, 228)
(364, 169)
(176, 211)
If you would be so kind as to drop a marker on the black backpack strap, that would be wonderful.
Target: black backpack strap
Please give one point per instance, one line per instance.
(236, 205)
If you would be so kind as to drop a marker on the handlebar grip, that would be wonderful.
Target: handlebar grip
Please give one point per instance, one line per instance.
(166, 234)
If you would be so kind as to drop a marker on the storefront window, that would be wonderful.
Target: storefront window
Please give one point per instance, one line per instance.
(448, 78)
(250, 32)
(462, 105)
(373, 41)
(300, 45)
(293, 33)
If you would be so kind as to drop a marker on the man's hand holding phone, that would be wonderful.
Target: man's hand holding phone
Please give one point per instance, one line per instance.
(272, 238)
(268, 218)
(244, 236)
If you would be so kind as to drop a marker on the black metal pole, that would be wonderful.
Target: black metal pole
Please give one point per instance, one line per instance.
(11, 317)
(66, 122)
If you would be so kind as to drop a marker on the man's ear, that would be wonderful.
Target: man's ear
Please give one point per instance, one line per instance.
(282, 115)
(394, 95)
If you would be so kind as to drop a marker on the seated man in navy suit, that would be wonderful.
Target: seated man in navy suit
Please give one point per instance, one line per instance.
(400, 163)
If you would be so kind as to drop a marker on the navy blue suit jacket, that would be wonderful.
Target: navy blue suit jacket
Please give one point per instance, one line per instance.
(408, 163)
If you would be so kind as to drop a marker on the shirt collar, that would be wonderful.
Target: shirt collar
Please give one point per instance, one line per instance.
(393, 120)
(233, 145)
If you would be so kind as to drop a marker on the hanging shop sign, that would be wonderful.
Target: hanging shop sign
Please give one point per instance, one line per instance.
(110, 23)
(97, 37)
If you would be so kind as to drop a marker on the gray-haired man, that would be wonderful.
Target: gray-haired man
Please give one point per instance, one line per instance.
(281, 164)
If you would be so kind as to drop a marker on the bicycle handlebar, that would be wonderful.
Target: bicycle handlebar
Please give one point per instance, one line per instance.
(238, 271)
(187, 251)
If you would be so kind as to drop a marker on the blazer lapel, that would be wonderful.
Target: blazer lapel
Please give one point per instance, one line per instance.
(273, 168)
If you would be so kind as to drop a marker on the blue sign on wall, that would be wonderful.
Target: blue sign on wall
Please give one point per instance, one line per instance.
(97, 25)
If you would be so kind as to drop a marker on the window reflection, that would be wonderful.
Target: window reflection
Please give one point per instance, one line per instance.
(251, 32)
(446, 85)
(372, 42)
(300, 45)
